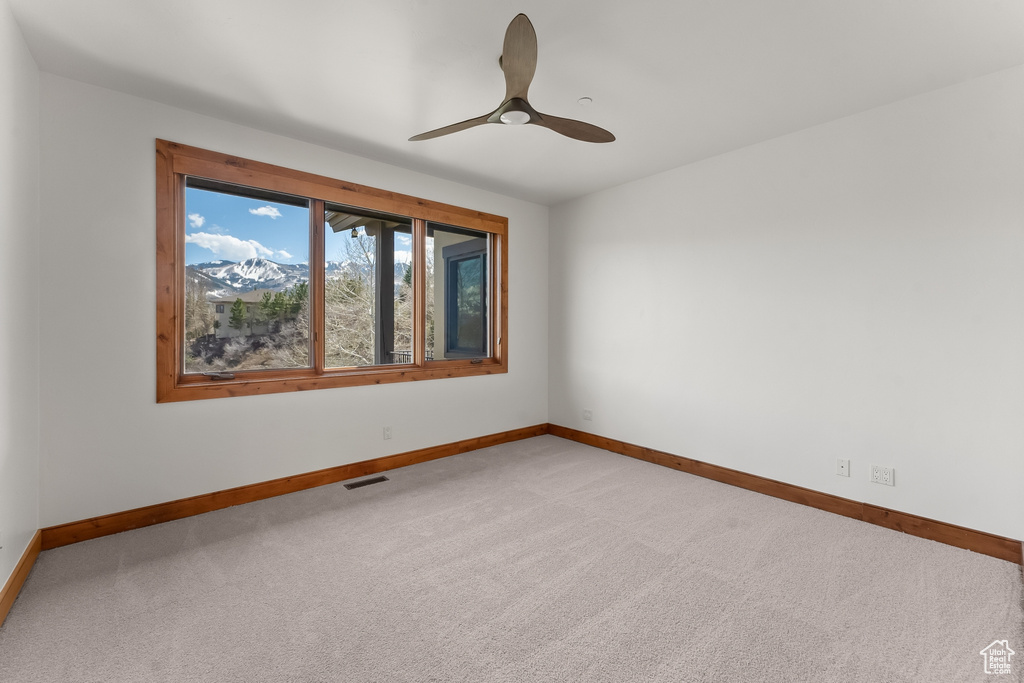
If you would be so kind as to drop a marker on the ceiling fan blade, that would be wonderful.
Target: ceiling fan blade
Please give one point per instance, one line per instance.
(577, 130)
(519, 57)
(519, 63)
(454, 128)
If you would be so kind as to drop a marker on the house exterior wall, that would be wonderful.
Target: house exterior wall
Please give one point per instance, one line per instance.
(224, 329)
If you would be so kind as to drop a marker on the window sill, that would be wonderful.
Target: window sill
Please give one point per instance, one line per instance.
(257, 383)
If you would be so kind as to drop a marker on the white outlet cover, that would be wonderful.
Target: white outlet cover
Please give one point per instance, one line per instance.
(886, 476)
(588, 415)
(843, 467)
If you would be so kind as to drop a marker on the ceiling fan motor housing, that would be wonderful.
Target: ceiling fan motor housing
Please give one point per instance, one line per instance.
(514, 112)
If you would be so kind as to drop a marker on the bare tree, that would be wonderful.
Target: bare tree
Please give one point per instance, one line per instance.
(349, 302)
(199, 317)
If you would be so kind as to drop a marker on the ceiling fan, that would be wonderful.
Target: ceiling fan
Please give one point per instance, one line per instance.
(519, 62)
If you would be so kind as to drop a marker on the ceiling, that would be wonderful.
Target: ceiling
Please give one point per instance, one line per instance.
(675, 80)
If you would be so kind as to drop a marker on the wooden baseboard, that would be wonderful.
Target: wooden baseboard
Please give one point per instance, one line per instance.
(982, 542)
(13, 586)
(83, 530)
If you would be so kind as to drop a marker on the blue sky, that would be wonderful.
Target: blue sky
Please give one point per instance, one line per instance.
(226, 227)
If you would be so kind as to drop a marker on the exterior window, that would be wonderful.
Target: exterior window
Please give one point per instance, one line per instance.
(368, 288)
(273, 280)
(457, 313)
(246, 278)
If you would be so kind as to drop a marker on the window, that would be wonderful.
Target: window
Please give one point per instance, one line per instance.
(273, 280)
(368, 293)
(259, 295)
(460, 285)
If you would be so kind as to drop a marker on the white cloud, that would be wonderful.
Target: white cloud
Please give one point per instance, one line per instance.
(228, 247)
(196, 220)
(268, 211)
(284, 254)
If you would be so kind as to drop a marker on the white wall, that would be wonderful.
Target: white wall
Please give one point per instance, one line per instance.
(853, 290)
(19, 303)
(106, 445)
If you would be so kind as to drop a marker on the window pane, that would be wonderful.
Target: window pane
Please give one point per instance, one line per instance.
(457, 293)
(368, 288)
(246, 279)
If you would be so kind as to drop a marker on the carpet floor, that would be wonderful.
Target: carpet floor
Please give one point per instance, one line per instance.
(540, 560)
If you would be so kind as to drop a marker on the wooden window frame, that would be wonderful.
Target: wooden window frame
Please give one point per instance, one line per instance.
(175, 161)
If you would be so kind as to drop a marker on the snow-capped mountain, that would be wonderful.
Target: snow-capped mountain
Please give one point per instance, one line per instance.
(215, 289)
(254, 273)
(224, 278)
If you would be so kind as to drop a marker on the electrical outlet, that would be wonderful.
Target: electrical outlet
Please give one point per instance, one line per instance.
(387, 432)
(843, 467)
(883, 475)
(888, 476)
(588, 415)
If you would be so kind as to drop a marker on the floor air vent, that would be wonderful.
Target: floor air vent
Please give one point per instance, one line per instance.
(365, 482)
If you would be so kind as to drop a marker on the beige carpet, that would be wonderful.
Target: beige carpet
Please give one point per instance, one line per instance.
(541, 560)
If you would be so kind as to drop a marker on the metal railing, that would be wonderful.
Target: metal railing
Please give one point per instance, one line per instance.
(399, 357)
